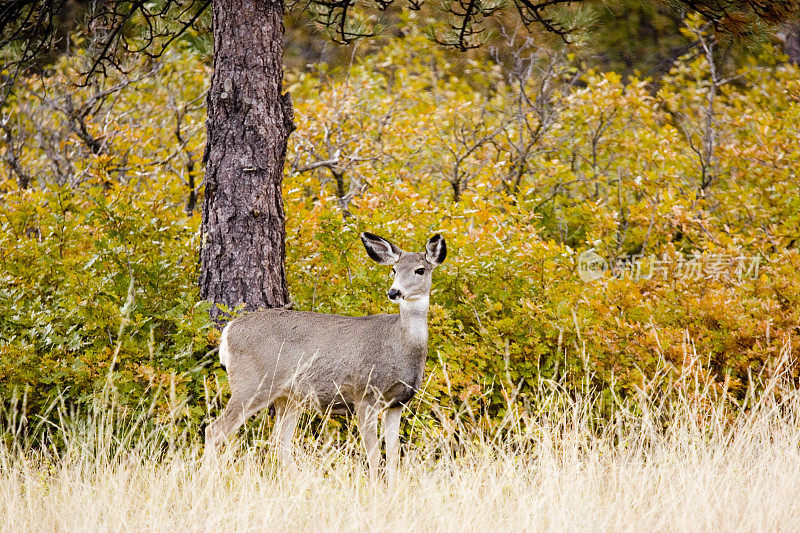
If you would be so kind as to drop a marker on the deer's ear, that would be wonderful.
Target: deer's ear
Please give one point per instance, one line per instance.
(436, 250)
(380, 250)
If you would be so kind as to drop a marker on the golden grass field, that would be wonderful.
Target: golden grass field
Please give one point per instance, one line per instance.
(693, 463)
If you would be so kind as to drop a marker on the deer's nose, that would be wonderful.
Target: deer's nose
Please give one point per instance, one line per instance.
(394, 294)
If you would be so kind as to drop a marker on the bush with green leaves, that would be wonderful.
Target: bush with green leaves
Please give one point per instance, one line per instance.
(522, 175)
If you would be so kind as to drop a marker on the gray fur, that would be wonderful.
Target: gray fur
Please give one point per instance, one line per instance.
(333, 363)
(329, 360)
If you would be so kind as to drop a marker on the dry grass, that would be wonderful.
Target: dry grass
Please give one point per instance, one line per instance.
(692, 463)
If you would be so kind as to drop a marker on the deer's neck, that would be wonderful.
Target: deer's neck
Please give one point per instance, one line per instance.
(414, 323)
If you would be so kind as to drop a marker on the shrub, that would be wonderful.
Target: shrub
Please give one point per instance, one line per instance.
(98, 253)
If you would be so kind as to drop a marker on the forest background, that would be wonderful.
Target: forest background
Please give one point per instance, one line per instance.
(622, 213)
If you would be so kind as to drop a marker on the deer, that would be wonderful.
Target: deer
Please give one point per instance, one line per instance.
(368, 365)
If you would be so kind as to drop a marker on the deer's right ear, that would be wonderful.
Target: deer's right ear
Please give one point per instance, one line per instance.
(436, 250)
(380, 250)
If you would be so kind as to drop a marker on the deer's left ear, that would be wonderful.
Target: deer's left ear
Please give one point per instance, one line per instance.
(436, 250)
(380, 250)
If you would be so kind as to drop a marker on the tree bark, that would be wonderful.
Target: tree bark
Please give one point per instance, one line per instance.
(791, 41)
(249, 120)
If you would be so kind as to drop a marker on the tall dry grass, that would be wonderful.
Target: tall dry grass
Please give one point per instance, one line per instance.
(686, 461)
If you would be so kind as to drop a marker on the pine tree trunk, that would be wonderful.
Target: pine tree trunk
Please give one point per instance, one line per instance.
(791, 41)
(249, 120)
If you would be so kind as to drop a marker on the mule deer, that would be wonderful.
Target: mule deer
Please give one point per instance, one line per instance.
(333, 363)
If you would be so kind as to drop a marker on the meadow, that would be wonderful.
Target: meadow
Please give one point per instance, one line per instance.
(689, 464)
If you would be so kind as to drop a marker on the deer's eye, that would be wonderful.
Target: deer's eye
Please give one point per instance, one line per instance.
(419, 271)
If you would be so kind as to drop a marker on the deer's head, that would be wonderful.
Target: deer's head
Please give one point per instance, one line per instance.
(411, 270)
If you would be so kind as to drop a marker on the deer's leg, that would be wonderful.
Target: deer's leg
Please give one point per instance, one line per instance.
(286, 415)
(391, 430)
(368, 426)
(237, 410)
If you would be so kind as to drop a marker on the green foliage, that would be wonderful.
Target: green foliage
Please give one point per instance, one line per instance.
(98, 285)
(520, 174)
(98, 260)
